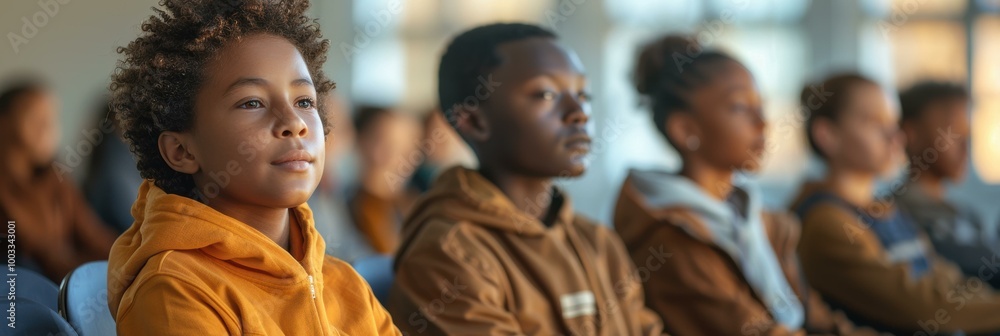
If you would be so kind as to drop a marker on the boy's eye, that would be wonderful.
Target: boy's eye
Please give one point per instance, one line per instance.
(253, 104)
(585, 96)
(548, 95)
(306, 103)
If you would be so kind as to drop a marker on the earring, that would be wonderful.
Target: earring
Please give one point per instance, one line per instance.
(693, 143)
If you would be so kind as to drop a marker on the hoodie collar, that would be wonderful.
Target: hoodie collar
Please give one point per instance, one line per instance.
(662, 190)
(745, 240)
(167, 222)
(465, 195)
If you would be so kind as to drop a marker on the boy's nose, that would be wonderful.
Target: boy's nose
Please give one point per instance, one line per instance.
(289, 123)
(575, 113)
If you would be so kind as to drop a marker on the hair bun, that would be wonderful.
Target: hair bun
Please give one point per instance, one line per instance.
(659, 56)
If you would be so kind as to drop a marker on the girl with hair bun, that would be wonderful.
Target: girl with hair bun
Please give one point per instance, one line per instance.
(717, 263)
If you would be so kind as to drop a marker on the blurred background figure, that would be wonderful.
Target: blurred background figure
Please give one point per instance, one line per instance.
(935, 121)
(388, 154)
(329, 202)
(112, 182)
(56, 230)
(858, 250)
(442, 149)
(732, 267)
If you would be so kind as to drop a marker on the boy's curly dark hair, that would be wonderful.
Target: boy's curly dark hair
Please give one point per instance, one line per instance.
(153, 88)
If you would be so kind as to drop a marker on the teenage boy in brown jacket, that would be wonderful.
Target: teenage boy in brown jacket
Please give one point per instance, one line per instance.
(499, 251)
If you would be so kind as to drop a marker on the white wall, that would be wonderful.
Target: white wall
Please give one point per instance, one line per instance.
(73, 50)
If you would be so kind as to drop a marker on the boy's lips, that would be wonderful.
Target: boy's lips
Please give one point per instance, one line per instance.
(294, 160)
(580, 143)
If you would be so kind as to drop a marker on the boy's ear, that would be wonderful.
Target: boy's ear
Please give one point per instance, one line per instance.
(174, 150)
(823, 133)
(471, 124)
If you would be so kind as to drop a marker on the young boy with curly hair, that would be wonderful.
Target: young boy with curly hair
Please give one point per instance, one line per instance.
(218, 102)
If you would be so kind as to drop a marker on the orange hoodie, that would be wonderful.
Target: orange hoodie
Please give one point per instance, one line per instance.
(185, 269)
(471, 263)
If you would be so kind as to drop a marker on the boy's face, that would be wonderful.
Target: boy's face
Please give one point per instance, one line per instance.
(942, 131)
(537, 115)
(257, 132)
(868, 132)
(388, 143)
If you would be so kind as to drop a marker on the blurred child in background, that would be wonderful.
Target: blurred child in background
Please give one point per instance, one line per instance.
(861, 252)
(56, 230)
(718, 263)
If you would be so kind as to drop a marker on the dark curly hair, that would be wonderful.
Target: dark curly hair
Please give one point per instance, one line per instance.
(154, 86)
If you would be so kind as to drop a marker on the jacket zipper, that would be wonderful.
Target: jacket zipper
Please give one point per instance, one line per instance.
(312, 292)
(312, 289)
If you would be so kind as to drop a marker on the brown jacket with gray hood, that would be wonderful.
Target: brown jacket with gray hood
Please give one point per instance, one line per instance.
(701, 289)
(471, 263)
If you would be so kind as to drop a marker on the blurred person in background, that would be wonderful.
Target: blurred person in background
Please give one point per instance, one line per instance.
(935, 120)
(343, 239)
(112, 182)
(442, 148)
(56, 230)
(729, 266)
(864, 255)
(388, 154)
